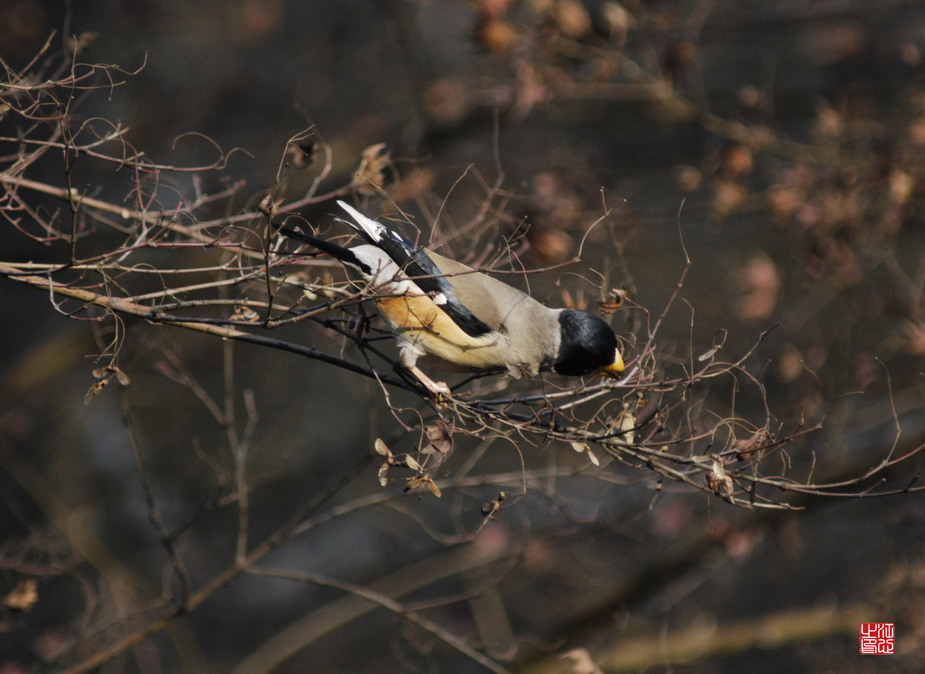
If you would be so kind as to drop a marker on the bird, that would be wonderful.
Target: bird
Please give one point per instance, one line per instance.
(458, 319)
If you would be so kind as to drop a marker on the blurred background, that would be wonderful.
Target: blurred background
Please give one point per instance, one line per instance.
(779, 145)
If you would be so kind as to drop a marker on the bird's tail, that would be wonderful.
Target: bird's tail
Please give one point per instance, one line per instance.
(371, 230)
(344, 255)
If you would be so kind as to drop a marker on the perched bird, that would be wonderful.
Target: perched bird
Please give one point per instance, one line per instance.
(455, 318)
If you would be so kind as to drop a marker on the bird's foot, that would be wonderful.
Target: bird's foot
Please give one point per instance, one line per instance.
(438, 389)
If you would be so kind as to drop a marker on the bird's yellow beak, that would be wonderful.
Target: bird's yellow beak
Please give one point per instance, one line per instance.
(615, 368)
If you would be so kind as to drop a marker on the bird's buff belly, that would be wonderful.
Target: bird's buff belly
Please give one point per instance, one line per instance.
(436, 338)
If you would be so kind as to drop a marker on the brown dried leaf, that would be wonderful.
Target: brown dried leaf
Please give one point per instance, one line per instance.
(22, 597)
(616, 300)
(627, 424)
(121, 377)
(719, 483)
(434, 489)
(302, 154)
(381, 448)
(425, 480)
(243, 313)
(370, 175)
(593, 458)
(491, 509)
(384, 473)
(579, 446)
(95, 390)
(439, 440)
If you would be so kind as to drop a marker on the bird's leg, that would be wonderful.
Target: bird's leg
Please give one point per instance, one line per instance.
(361, 322)
(437, 388)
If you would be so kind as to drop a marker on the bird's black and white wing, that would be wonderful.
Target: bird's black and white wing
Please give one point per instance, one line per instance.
(416, 264)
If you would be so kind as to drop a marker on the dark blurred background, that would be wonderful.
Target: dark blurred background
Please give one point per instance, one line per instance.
(781, 142)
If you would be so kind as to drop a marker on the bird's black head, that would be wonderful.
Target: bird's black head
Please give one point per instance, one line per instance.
(588, 345)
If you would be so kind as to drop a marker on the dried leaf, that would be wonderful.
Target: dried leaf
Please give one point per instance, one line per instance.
(370, 175)
(412, 463)
(384, 473)
(439, 440)
(302, 154)
(267, 206)
(243, 313)
(381, 448)
(121, 377)
(24, 596)
(491, 509)
(616, 300)
(720, 483)
(627, 424)
(707, 355)
(327, 280)
(425, 480)
(579, 446)
(593, 458)
(750, 444)
(95, 390)
(584, 447)
(434, 489)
